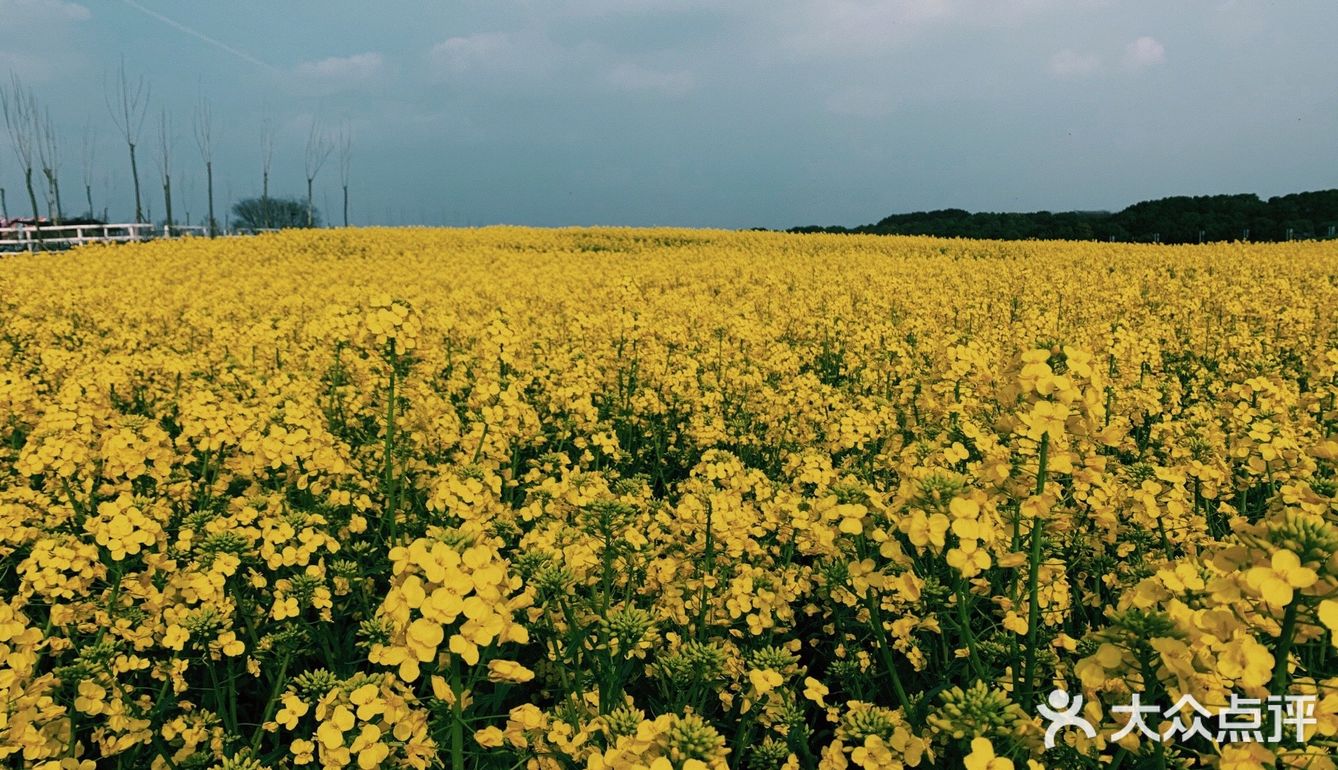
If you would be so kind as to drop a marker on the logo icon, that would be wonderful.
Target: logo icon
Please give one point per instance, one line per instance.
(1063, 713)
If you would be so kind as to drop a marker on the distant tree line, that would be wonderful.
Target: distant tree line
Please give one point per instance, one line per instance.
(1181, 219)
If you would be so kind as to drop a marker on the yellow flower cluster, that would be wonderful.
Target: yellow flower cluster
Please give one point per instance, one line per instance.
(441, 597)
(366, 721)
(625, 499)
(122, 528)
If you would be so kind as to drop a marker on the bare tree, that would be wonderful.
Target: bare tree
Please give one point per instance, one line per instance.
(129, 104)
(165, 166)
(319, 148)
(345, 163)
(266, 159)
(19, 106)
(87, 159)
(204, 139)
(48, 154)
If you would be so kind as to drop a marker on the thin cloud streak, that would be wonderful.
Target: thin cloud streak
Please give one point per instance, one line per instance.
(244, 56)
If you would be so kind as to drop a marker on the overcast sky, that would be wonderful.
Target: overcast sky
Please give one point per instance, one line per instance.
(684, 112)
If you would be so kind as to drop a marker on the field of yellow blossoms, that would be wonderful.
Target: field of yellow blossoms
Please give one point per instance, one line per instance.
(667, 499)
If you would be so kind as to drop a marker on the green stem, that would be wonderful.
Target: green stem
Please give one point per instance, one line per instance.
(163, 750)
(1033, 578)
(220, 706)
(710, 570)
(204, 482)
(876, 621)
(270, 705)
(80, 514)
(970, 638)
(457, 724)
(743, 736)
(390, 524)
(1280, 673)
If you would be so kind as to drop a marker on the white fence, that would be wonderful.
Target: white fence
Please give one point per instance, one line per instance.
(30, 238)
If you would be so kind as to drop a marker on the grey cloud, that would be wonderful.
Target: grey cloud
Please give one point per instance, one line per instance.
(1069, 63)
(752, 112)
(358, 67)
(633, 77)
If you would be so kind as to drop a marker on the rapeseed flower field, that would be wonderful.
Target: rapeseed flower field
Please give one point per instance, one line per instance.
(667, 499)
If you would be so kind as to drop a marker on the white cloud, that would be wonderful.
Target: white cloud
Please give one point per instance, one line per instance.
(359, 73)
(860, 102)
(1018, 8)
(471, 53)
(47, 55)
(1239, 21)
(1144, 52)
(825, 28)
(525, 58)
(1069, 63)
(856, 27)
(41, 11)
(348, 69)
(633, 77)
